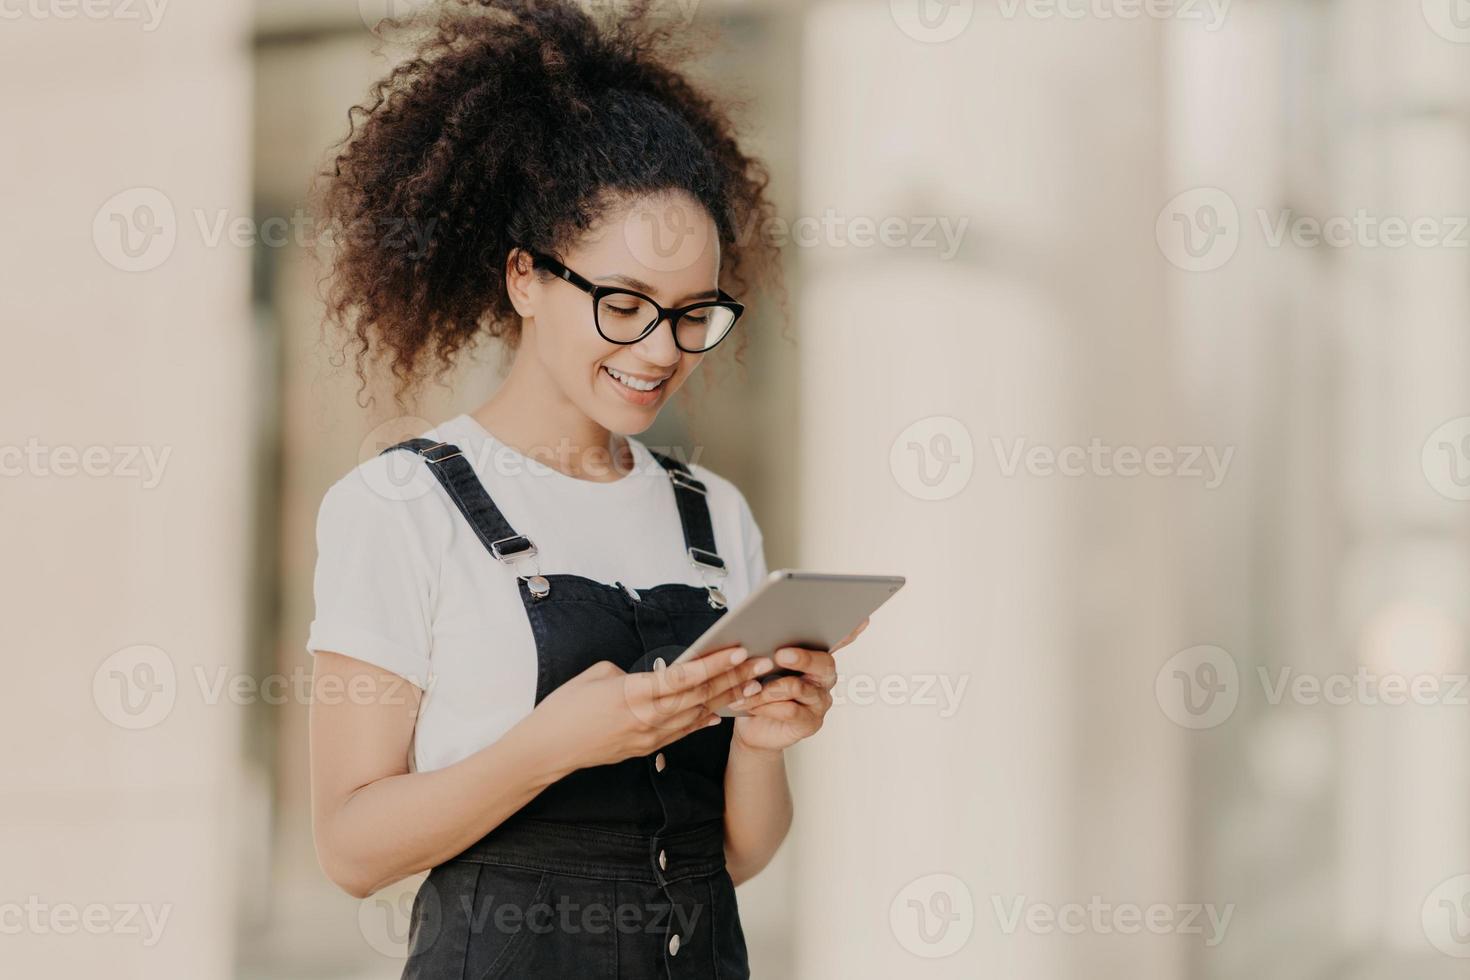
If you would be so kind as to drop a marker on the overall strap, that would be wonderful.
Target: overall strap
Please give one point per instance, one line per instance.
(454, 472)
(699, 536)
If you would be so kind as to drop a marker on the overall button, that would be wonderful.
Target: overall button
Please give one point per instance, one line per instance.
(674, 945)
(663, 861)
(659, 762)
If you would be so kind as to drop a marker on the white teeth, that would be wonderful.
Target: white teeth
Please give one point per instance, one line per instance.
(636, 384)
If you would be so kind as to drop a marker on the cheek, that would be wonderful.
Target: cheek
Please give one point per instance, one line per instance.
(570, 347)
(687, 364)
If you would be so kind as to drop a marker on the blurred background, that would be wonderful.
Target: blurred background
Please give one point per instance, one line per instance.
(1133, 332)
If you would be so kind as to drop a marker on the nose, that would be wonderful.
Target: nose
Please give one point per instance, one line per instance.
(659, 347)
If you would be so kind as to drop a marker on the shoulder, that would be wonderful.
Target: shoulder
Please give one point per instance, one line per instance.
(719, 487)
(727, 503)
(734, 522)
(387, 494)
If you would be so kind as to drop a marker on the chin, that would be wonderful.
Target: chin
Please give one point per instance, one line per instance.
(627, 423)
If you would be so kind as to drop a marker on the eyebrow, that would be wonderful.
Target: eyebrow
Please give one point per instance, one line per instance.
(643, 287)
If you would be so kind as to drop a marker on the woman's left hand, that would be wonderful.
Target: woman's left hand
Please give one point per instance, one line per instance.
(788, 709)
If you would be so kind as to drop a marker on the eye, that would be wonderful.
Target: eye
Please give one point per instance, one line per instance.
(698, 317)
(617, 310)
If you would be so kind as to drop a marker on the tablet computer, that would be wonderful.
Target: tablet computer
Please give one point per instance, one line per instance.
(791, 608)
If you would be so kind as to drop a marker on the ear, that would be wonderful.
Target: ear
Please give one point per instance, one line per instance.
(519, 277)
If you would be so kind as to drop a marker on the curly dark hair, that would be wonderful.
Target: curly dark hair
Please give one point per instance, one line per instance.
(516, 123)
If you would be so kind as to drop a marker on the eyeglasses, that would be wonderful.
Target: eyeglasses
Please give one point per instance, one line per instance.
(624, 316)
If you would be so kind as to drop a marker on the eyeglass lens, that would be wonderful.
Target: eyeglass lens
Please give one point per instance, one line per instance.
(622, 318)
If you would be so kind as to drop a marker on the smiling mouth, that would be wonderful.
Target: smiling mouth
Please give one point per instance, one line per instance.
(633, 382)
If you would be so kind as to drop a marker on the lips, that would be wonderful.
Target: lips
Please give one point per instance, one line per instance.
(638, 382)
(635, 388)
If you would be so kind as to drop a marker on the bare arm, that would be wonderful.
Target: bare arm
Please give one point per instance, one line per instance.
(374, 822)
(758, 809)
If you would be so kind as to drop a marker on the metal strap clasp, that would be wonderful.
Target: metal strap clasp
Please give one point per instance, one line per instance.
(706, 559)
(438, 459)
(712, 571)
(525, 548)
(682, 479)
(515, 549)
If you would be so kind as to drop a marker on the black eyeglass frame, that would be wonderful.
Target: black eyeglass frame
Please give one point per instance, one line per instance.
(597, 292)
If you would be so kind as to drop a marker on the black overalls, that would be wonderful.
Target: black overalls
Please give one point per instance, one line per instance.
(615, 871)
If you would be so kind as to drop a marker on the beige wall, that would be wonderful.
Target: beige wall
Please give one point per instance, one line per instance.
(122, 776)
(1034, 597)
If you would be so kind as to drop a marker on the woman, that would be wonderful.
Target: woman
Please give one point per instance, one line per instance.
(492, 636)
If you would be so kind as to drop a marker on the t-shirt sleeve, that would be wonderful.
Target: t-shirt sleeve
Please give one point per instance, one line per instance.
(374, 584)
(755, 549)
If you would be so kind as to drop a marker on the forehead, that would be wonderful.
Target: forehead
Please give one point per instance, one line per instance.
(668, 240)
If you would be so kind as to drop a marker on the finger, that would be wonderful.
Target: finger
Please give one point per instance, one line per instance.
(666, 724)
(721, 689)
(818, 665)
(668, 689)
(745, 682)
(689, 674)
(797, 689)
(780, 710)
(703, 719)
(714, 692)
(851, 636)
(661, 712)
(775, 689)
(692, 716)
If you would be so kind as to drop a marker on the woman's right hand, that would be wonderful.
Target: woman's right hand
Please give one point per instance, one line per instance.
(605, 715)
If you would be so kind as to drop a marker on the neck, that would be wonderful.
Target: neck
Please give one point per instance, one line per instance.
(531, 415)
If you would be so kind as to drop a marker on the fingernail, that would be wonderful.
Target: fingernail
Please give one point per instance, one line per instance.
(737, 702)
(787, 656)
(738, 654)
(754, 687)
(713, 721)
(762, 665)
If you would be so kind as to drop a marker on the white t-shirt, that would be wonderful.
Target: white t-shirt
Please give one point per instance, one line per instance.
(403, 582)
